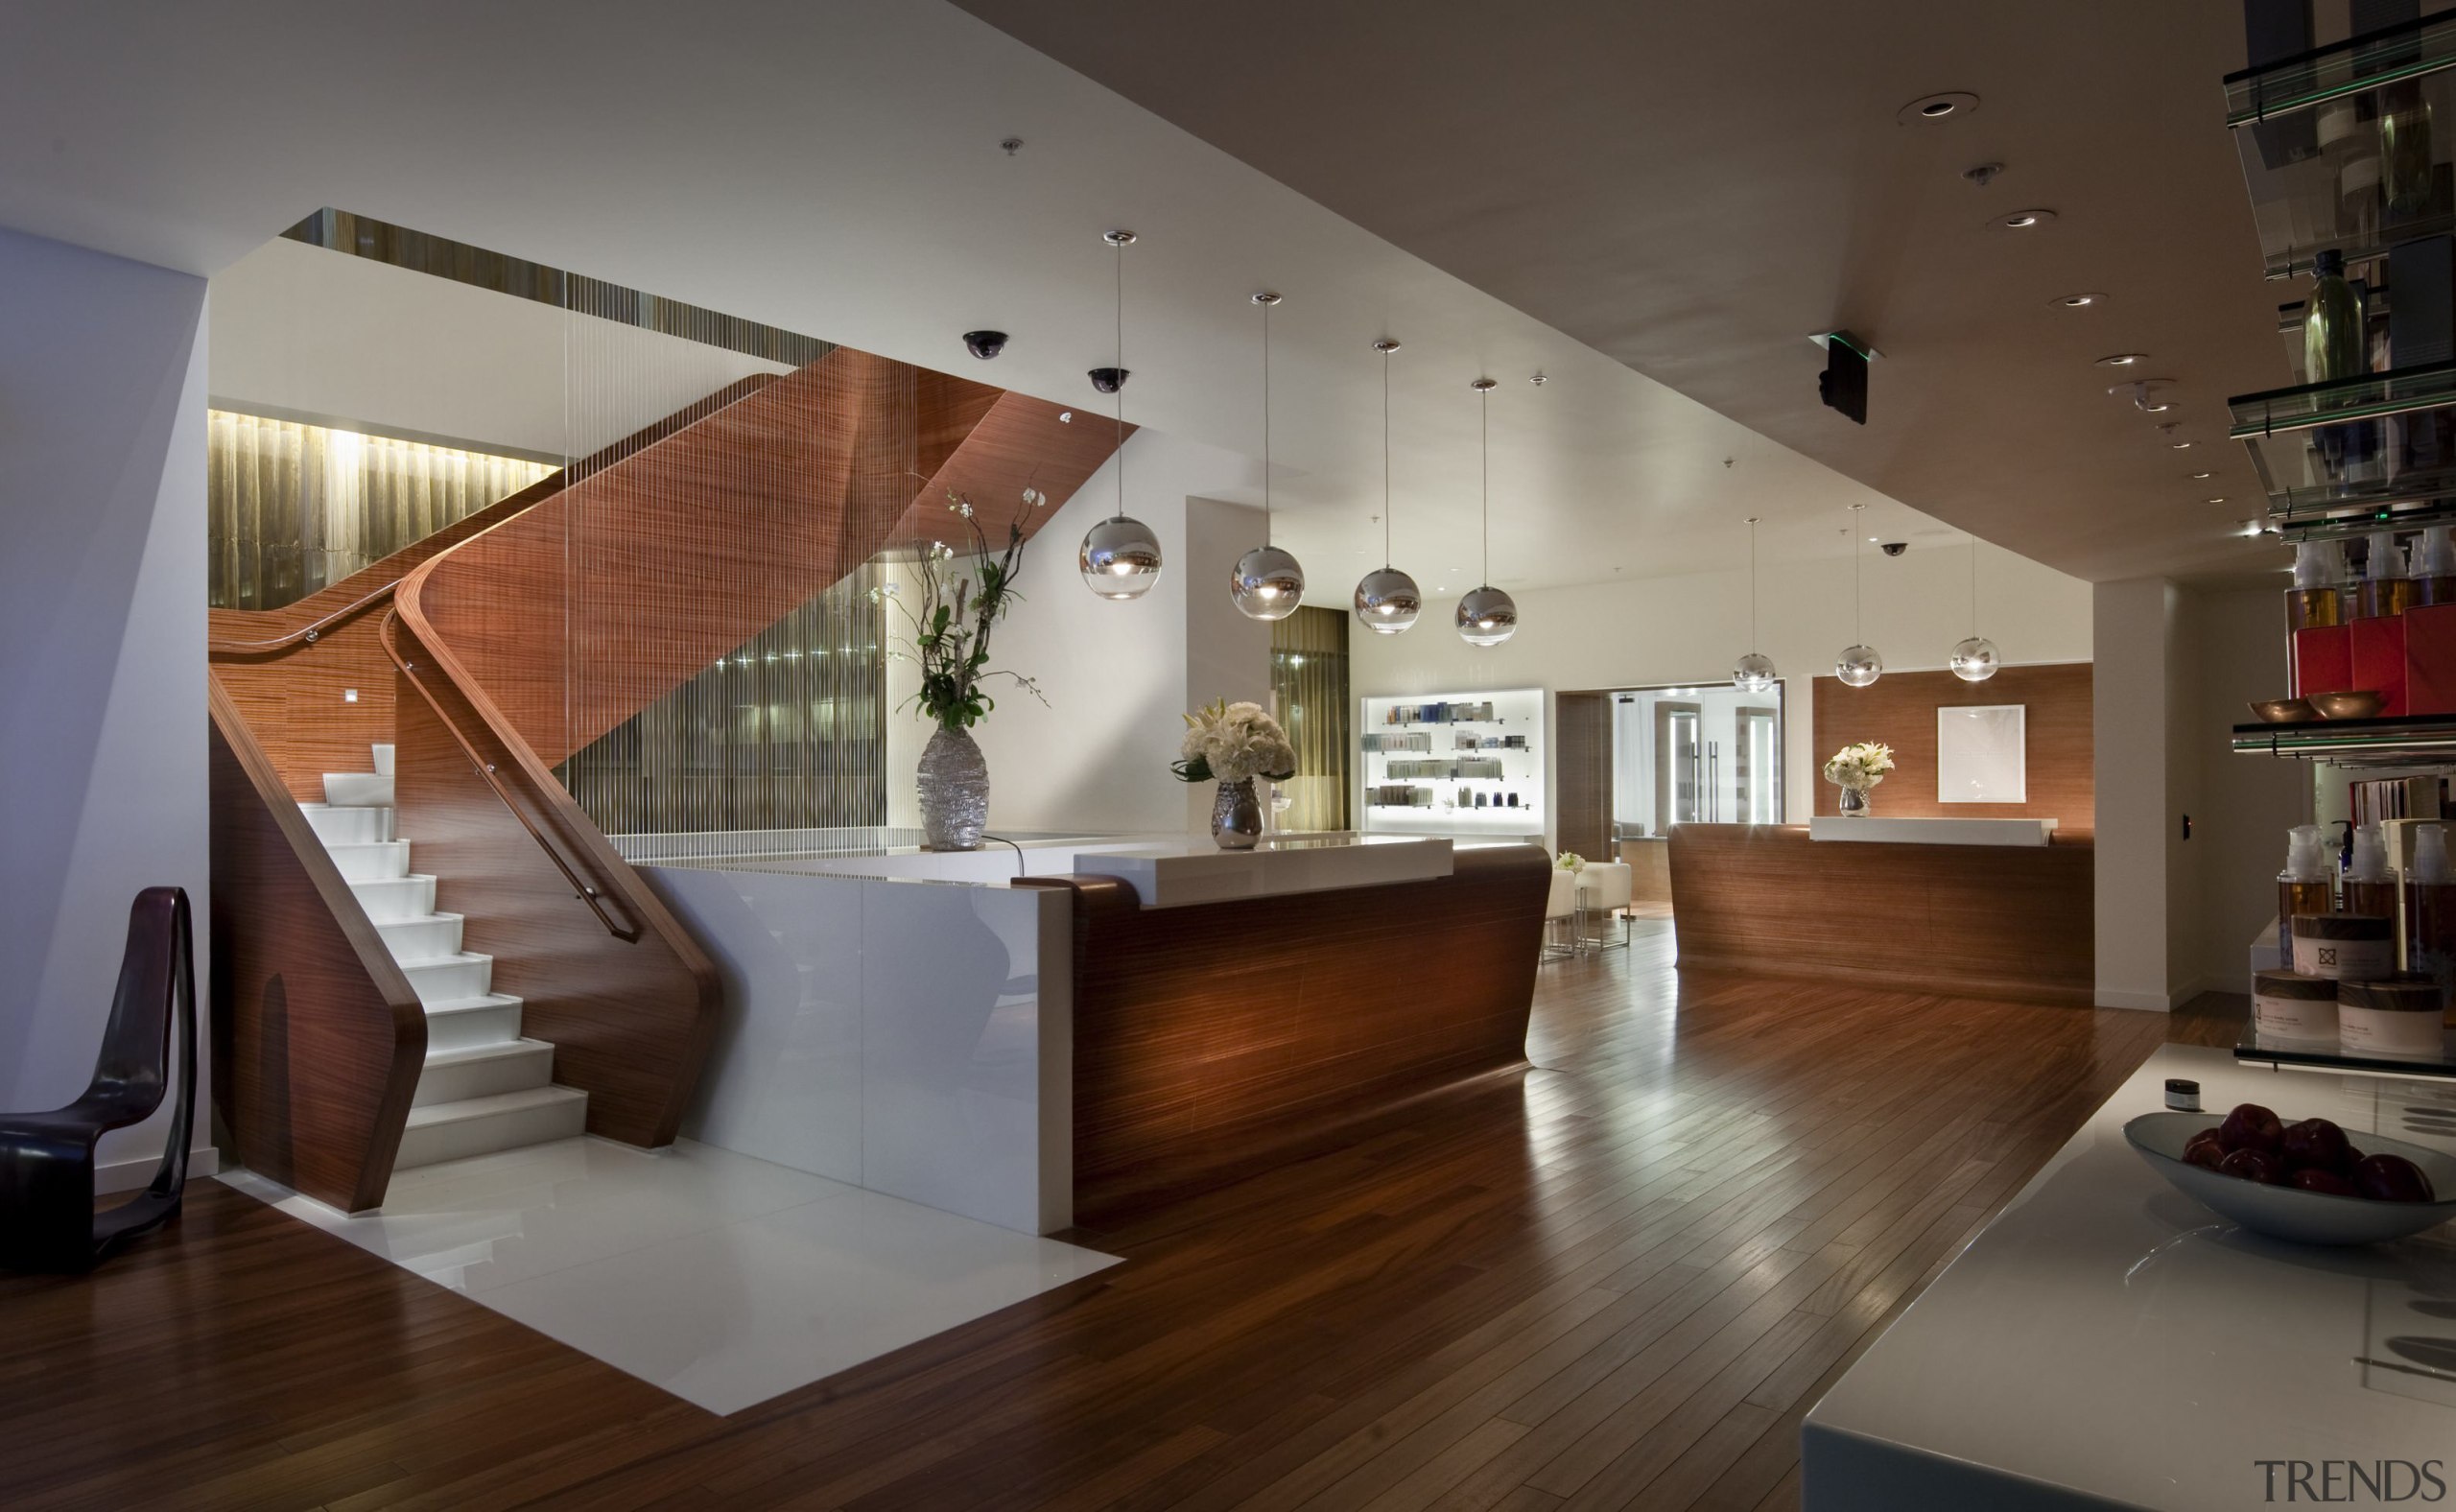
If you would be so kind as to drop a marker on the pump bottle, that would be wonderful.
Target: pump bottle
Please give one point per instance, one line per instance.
(2306, 885)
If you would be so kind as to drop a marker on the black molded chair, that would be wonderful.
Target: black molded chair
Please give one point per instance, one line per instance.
(47, 1218)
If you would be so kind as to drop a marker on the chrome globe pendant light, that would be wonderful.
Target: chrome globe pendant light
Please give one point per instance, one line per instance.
(1120, 556)
(1267, 582)
(1858, 665)
(1753, 672)
(1388, 599)
(1974, 660)
(1486, 615)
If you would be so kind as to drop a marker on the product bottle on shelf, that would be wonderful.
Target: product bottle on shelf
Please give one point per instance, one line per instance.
(2386, 590)
(2314, 602)
(2306, 885)
(2369, 887)
(2336, 345)
(2430, 909)
(2434, 565)
(2405, 174)
(2349, 143)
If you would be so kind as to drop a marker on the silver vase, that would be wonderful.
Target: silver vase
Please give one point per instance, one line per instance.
(1855, 803)
(1237, 817)
(955, 792)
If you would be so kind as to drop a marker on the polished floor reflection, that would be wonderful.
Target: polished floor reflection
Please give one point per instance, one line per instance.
(1617, 1280)
(719, 1278)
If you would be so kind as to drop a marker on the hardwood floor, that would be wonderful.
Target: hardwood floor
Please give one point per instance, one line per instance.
(1616, 1280)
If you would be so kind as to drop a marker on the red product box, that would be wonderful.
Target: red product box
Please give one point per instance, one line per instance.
(2379, 661)
(2430, 659)
(2323, 660)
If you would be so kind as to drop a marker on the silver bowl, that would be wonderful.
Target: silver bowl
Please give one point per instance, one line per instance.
(2289, 1212)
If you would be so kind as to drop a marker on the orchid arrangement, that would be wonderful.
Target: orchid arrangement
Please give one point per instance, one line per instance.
(950, 628)
(1861, 766)
(1233, 742)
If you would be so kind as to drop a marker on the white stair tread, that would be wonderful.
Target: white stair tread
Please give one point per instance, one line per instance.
(460, 958)
(476, 1005)
(370, 861)
(503, 1051)
(382, 754)
(356, 790)
(488, 1108)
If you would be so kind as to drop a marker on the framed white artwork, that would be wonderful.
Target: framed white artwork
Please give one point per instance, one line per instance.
(1982, 754)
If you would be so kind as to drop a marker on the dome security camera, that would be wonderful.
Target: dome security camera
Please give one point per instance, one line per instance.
(984, 345)
(1893, 547)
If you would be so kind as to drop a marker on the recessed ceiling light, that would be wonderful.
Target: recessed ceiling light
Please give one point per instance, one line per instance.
(2198, 475)
(2078, 302)
(2179, 446)
(2220, 499)
(2023, 220)
(2122, 359)
(1942, 106)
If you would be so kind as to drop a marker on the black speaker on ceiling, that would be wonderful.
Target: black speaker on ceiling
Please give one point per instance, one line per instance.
(1844, 384)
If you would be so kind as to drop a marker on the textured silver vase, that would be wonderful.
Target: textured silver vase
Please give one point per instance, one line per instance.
(1236, 815)
(955, 792)
(1855, 803)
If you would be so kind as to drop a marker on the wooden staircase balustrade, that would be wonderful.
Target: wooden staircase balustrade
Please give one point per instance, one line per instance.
(494, 649)
(318, 1037)
(631, 1019)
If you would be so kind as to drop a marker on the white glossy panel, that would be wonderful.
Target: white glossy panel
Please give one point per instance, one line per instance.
(2109, 1341)
(722, 1279)
(1930, 831)
(784, 1077)
(951, 1084)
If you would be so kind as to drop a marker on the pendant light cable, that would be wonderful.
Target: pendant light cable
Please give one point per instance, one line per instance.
(1387, 348)
(1973, 587)
(1484, 411)
(1858, 575)
(1266, 301)
(1752, 582)
(1118, 242)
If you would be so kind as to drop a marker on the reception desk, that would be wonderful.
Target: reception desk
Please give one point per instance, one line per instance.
(1988, 920)
(1069, 1033)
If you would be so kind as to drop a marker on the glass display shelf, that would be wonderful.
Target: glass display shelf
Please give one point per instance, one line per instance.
(2346, 147)
(2406, 740)
(2323, 1055)
(2340, 458)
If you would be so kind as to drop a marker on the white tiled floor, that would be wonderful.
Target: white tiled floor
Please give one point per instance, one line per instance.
(722, 1279)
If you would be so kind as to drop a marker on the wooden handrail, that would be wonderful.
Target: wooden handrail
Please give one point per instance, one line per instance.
(306, 633)
(582, 890)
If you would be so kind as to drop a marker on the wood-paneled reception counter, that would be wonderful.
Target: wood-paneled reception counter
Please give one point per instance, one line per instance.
(1973, 920)
(1039, 1050)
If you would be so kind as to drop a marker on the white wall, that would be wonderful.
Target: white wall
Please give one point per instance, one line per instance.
(2133, 684)
(1118, 676)
(1691, 629)
(102, 647)
(2245, 804)
(306, 333)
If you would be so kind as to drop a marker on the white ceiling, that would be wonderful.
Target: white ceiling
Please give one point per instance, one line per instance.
(1696, 188)
(834, 169)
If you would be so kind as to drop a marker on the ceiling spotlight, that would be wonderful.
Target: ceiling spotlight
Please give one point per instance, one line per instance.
(2220, 499)
(2199, 475)
(2122, 359)
(1537, 378)
(1937, 108)
(2023, 220)
(2078, 302)
(2141, 392)
(2179, 446)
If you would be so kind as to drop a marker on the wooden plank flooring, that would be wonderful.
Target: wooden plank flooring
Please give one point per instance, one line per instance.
(1617, 1281)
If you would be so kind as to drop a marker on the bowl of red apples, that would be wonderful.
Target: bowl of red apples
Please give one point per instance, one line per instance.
(2306, 1181)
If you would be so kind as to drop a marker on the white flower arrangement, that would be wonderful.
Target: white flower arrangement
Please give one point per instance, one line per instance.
(1234, 743)
(1861, 766)
(1570, 860)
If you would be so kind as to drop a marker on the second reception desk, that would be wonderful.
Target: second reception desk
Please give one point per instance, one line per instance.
(1987, 921)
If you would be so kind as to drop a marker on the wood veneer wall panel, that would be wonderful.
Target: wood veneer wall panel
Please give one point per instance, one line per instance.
(1013, 442)
(1899, 709)
(317, 1038)
(1216, 1040)
(2012, 922)
(630, 1020)
(1583, 726)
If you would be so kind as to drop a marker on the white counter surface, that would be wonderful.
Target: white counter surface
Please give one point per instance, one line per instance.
(1930, 831)
(2108, 1342)
(1174, 874)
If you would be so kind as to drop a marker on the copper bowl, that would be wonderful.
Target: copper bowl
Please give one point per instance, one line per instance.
(2285, 711)
(2347, 705)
